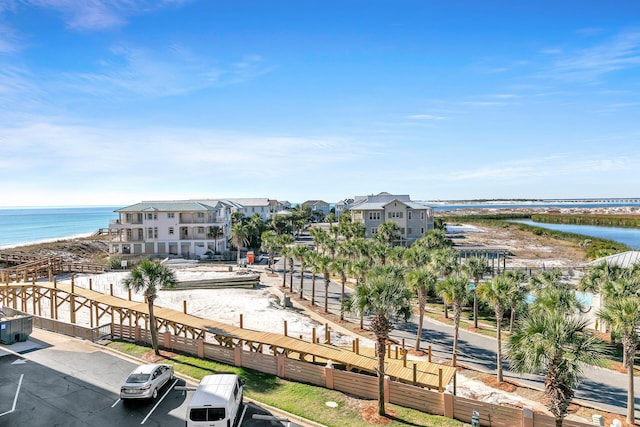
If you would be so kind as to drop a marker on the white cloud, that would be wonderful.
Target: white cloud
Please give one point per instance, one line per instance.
(426, 117)
(590, 64)
(97, 15)
(162, 73)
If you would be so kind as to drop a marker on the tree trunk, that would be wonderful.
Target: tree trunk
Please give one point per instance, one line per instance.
(301, 282)
(152, 325)
(284, 273)
(313, 289)
(475, 307)
(629, 350)
(342, 300)
(326, 293)
(421, 304)
(499, 315)
(512, 319)
(290, 275)
(457, 312)
(380, 349)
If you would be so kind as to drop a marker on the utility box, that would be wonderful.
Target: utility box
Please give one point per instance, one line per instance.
(15, 326)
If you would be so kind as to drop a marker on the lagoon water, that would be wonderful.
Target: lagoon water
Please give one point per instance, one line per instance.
(628, 236)
(20, 226)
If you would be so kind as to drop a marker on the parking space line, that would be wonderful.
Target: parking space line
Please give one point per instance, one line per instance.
(159, 401)
(116, 402)
(15, 399)
(244, 411)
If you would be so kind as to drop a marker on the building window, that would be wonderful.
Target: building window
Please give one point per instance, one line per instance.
(149, 216)
(402, 230)
(421, 230)
(374, 216)
(155, 232)
(409, 215)
(200, 214)
(150, 233)
(170, 231)
(170, 215)
(422, 215)
(409, 231)
(374, 230)
(395, 214)
(200, 230)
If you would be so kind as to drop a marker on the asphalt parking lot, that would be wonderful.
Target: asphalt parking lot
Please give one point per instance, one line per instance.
(53, 380)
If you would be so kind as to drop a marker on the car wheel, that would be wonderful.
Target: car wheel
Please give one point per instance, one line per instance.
(155, 393)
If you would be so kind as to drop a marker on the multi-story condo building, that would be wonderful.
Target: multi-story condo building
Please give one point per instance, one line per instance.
(318, 206)
(187, 228)
(413, 219)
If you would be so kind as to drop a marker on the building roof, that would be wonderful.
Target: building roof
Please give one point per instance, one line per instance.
(315, 203)
(624, 259)
(378, 206)
(256, 201)
(169, 206)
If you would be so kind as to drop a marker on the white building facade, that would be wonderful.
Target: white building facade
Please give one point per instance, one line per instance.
(187, 228)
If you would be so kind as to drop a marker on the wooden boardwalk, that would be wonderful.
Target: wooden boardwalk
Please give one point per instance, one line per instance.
(28, 297)
(31, 267)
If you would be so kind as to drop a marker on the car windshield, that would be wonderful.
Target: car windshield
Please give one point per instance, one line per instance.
(138, 378)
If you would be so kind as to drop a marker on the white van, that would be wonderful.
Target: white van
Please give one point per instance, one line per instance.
(216, 402)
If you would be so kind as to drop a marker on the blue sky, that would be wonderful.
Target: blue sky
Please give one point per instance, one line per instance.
(114, 102)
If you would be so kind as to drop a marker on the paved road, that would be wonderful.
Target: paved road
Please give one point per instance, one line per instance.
(601, 388)
(53, 380)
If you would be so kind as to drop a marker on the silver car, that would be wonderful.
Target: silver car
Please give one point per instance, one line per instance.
(145, 381)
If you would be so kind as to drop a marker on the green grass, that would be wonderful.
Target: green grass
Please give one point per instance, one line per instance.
(304, 400)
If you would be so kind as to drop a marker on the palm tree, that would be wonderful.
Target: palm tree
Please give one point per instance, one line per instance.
(386, 297)
(445, 261)
(554, 342)
(300, 252)
(476, 267)
(150, 277)
(215, 232)
(359, 269)
(421, 281)
(270, 244)
(455, 291)
(285, 253)
(312, 261)
(340, 266)
(388, 232)
(519, 293)
(497, 293)
(417, 256)
(322, 263)
(623, 317)
(240, 236)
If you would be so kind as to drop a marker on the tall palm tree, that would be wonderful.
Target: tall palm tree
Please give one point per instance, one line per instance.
(149, 277)
(312, 261)
(421, 281)
(445, 261)
(359, 269)
(476, 267)
(240, 236)
(215, 232)
(285, 254)
(270, 244)
(554, 342)
(496, 293)
(322, 263)
(519, 292)
(340, 266)
(300, 252)
(386, 297)
(622, 314)
(455, 291)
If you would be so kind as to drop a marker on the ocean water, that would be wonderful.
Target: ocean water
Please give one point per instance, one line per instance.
(19, 226)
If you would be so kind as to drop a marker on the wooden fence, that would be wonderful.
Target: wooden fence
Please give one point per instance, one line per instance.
(358, 385)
